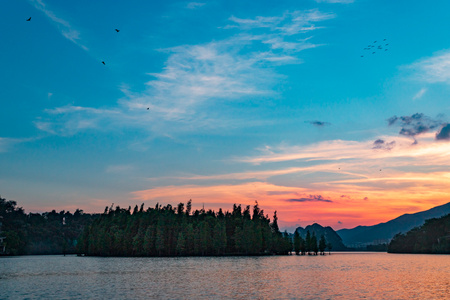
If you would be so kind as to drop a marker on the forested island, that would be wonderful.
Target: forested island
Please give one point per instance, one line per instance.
(433, 237)
(158, 231)
(179, 231)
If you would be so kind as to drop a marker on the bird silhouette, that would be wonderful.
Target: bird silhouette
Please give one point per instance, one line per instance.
(117, 30)
(373, 52)
(103, 62)
(29, 19)
(362, 55)
(148, 108)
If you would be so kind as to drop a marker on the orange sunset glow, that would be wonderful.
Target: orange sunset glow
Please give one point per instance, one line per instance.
(342, 183)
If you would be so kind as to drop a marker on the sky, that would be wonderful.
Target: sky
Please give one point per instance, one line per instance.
(327, 111)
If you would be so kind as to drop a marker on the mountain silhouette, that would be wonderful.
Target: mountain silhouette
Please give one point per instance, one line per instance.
(361, 236)
(330, 235)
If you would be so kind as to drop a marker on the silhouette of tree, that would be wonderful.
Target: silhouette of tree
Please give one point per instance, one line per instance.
(322, 245)
(297, 243)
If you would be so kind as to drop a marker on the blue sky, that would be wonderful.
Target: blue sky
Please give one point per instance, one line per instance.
(267, 101)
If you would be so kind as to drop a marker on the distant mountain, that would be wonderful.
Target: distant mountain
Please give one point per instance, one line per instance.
(330, 235)
(361, 236)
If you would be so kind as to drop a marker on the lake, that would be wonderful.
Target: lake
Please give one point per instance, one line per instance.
(335, 276)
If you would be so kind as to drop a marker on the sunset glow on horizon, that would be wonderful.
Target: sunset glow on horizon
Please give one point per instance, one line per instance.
(316, 110)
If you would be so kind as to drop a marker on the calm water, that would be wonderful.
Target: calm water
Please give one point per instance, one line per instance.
(338, 276)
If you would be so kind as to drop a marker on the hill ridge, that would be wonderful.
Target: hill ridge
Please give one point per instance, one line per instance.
(361, 236)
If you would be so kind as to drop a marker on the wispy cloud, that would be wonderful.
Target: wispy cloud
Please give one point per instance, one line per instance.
(6, 144)
(310, 198)
(318, 123)
(290, 23)
(283, 30)
(434, 69)
(407, 173)
(420, 94)
(68, 120)
(194, 79)
(194, 5)
(64, 26)
(352, 152)
(197, 78)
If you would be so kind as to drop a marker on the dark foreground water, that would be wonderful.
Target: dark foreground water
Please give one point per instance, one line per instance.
(337, 276)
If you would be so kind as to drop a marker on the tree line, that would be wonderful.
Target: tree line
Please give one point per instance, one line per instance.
(34, 233)
(179, 231)
(158, 231)
(310, 245)
(432, 237)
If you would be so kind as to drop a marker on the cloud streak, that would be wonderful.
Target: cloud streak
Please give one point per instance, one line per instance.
(420, 94)
(311, 198)
(64, 26)
(195, 5)
(284, 30)
(434, 69)
(318, 123)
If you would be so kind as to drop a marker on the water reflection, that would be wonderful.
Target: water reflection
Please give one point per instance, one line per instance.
(338, 276)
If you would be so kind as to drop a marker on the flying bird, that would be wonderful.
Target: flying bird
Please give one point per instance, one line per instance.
(103, 62)
(148, 108)
(29, 19)
(117, 30)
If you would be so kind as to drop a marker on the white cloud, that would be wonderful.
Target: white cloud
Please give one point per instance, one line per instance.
(65, 28)
(420, 93)
(434, 69)
(195, 5)
(290, 23)
(283, 30)
(258, 22)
